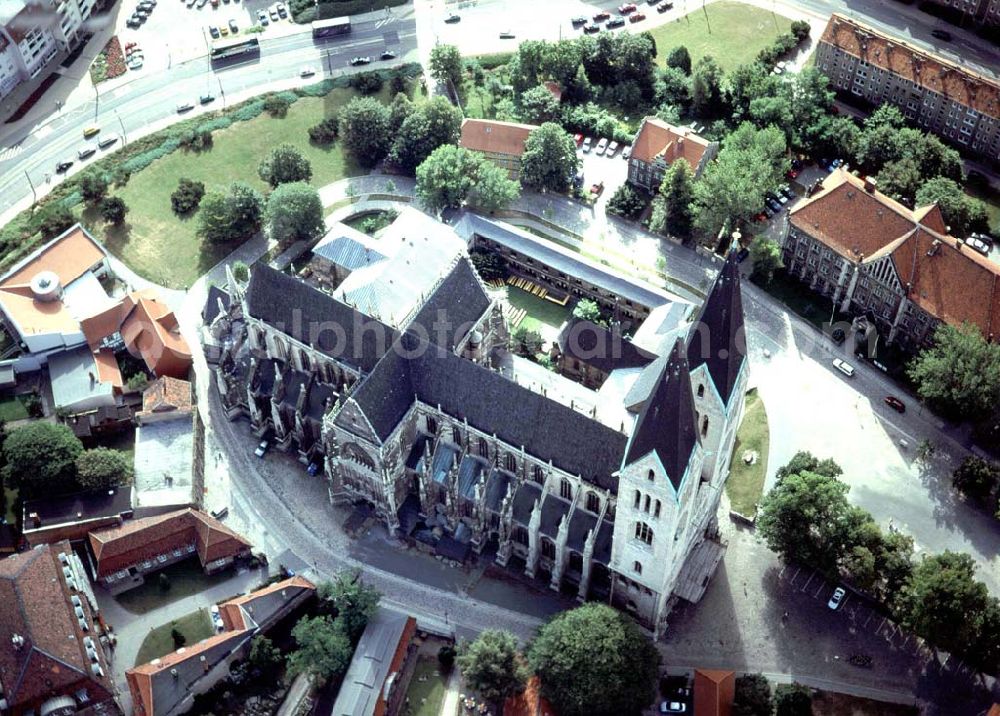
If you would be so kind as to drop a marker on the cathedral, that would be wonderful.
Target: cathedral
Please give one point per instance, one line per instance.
(386, 366)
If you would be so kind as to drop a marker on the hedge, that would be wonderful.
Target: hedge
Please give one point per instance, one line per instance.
(493, 60)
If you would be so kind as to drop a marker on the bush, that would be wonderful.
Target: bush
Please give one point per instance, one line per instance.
(326, 131)
(367, 82)
(54, 221)
(196, 139)
(33, 404)
(800, 29)
(276, 105)
(493, 60)
(446, 657)
(626, 202)
(187, 196)
(251, 110)
(93, 185)
(113, 210)
(397, 84)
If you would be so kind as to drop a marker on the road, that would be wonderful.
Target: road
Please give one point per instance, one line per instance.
(133, 107)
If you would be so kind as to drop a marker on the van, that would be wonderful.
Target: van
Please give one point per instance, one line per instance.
(844, 367)
(107, 141)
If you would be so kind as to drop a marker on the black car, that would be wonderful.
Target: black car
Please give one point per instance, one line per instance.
(579, 21)
(387, 55)
(206, 98)
(773, 205)
(63, 167)
(615, 22)
(838, 336)
(452, 18)
(942, 35)
(592, 28)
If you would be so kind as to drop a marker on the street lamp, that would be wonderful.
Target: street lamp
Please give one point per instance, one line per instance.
(122, 125)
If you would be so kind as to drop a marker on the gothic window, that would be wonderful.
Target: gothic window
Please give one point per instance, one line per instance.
(484, 448)
(511, 463)
(643, 532)
(701, 390)
(548, 548)
(538, 475)
(432, 425)
(656, 512)
(358, 455)
(704, 426)
(593, 502)
(645, 506)
(638, 498)
(565, 489)
(304, 359)
(456, 435)
(520, 535)
(650, 476)
(637, 567)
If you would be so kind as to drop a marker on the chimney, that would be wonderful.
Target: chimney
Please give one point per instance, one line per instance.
(36, 521)
(870, 184)
(204, 663)
(173, 672)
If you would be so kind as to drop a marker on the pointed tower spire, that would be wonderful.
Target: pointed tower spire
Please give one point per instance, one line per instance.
(717, 337)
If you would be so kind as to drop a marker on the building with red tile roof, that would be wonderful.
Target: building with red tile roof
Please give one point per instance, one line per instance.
(167, 686)
(500, 142)
(659, 144)
(873, 256)
(714, 692)
(935, 93)
(123, 555)
(165, 398)
(51, 658)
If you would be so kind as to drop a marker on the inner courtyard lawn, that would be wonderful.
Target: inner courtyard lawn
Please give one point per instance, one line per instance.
(730, 32)
(160, 642)
(164, 247)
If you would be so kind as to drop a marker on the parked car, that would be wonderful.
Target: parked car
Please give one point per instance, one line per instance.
(273, 12)
(979, 243)
(133, 23)
(844, 367)
(597, 189)
(626, 8)
(86, 152)
(214, 32)
(453, 18)
(90, 132)
(592, 28)
(602, 145)
(387, 55)
(224, 31)
(578, 138)
(262, 18)
(579, 21)
(262, 448)
(586, 145)
(107, 141)
(942, 35)
(612, 148)
(742, 254)
(664, 6)
(792, 173)
(233, 27)
(360, 60)
(63, 167)
(627, 152)
(637, 17)
(786, 191)
(506, 35)
(282, 10)
(673, 707)
(207, 98)
(184, 107)
(773, 205)
(307, 72)
(836, 598)
(602, 15)
(895, 403)
(220, 513)
(217, 622)
(615, 22)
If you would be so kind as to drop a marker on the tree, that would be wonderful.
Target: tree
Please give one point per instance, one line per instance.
(961, 212)
(900, 179)
(538, 105)
(231, 216)
(93, 185)
(446, 65)
(277, 105)
(805, 461)
(365, 130)
(493, 666)
(102, 467)
(549, 160)
(367, 82)
(753, 696)
(452, 175)
(672, 208)
(526, 343)
(354, 601)
(241, 272)
(187, 196)
(588, 310)
(399, 110)
(977, 478)
(595, 660)
(959, 375)
(765, 254)
(324, 651)
(984, 651)
(792, 700)
(430, 126)
(673, 87)
(943, 602)
(40, 459)
(680, 58)
(113, 210)
(326, 131)
(490, 265)
(706, 88)
(294, 213)
(446, 657)
(626, 201)
(284, 164)
(178, 638)
(54, 219)
(264, 658)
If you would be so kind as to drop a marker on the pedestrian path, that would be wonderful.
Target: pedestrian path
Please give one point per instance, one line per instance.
(449, 704)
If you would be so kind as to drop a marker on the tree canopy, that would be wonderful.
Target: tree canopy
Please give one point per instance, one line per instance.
(452, 175)
(549, 160)
(493, 666)
(423, 130)
(792, 700)
(353, 601)
(753, 696)
(284, 164)
(446, 65)
(673, 213)
(962, 213)
(40, 459)
(595, 660)
(294, 213)
(323, 649)
(102, 467)
(959, 375)
(538, 105)
(364, 130)
(707, 99)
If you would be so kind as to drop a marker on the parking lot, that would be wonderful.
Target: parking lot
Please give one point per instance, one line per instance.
(608, 167)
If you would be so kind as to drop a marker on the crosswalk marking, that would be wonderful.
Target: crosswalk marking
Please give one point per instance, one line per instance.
(10, 152)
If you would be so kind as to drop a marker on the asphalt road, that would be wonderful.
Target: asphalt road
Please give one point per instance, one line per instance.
(131, 107)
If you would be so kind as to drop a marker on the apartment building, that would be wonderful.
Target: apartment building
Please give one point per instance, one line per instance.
(982, 12)
(501, 142)
(956, 103)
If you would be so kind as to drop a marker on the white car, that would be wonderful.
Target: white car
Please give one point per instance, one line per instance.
(307, 72)
(979, 244)
(673, 707)
(262, 449)
(612, 148)
(585, 147)
(184, 107)
(836, 598)
(601, 146)
(217, 622)
(844, 367)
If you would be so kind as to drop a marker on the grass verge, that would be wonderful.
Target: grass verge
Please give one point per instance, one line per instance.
(160, 642)
(730, 32)
(12, 408)
(426, 691)
(746, 482)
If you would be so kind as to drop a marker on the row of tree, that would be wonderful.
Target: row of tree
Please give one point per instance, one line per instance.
(807, 519)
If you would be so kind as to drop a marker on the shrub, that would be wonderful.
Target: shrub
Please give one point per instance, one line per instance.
(493, 60)
(626, 202)
(33, 404)
(397, 84)
(93, 185)
(276, 105)
(137, 381)
(187, 196)
(113, 210)
(326, 131)
(196, 139)
(446, 657)
(54, 220)
(800, 29)
(251, 110)
(367, 82)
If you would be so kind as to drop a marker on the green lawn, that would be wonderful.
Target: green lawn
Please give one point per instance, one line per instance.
(10, 498)
(186, 578)
(159, 642)
(730, 32)
(991, 198)
(163, 247)
(424, 697)
(746, 482)
(123, 440)
(539, 310)
(12, 408)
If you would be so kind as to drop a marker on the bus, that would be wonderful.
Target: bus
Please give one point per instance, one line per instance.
(245, 48)
(333, 26)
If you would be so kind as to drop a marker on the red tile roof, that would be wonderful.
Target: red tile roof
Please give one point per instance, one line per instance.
(138, 540)
(657, 138)
(167, 394)
(493, 137)
(713, 692)
(232, 611)
(933, 72)
(36, 606)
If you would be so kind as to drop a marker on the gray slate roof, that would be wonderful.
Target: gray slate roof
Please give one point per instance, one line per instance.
(554, 508)
(716, 338)
(579, 525)
(347, 247)
(370, 665)
(597, 346)
(456, 305)
(524, 502)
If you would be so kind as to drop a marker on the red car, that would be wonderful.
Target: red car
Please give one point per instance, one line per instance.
(578, 138)
(791, 173)
(626, 8)
(895, 403)
(602, 15)
(638, 17)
